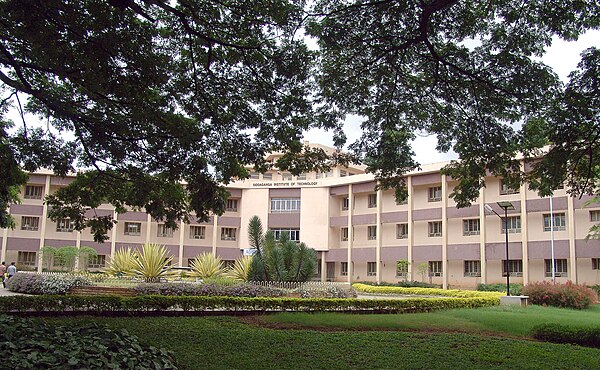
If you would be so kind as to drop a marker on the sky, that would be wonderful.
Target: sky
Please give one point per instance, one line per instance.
(562, 56)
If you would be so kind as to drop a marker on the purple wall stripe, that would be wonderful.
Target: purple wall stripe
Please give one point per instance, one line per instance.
(22, 244)
(55, 180)
(515, 203)
(394, 253)
(363, 254)
(497, 251)
(578, 202)
(428, 214)
(339, 190)
(23, 209)
(57, 243)
(390, 217)
(101, 248)
(229, 221)
(235, 193)
(37, 179)
(284, 220)
(543, 250)
(365, 187)
(133, 216)
(466, 252)
(430, 178)
(427, 253)
(338, 221)
(192, 251)
(285, 192)
(337, 255)
(453, 212)
(586, 248)
(98, 212)
(543, 205)
(368, 219)
(229, 253)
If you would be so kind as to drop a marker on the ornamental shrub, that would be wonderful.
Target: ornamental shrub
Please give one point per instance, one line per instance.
(555, 333)
(326, 292)
(30, 344)
(186, 289)
(515, 289)
(567, 295)
(33, 283)
(425, 291)
(403, 284)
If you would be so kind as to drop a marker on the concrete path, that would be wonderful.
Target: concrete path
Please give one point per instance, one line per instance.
(5, 292)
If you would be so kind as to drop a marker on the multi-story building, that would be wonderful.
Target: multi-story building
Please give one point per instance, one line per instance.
(359, 233)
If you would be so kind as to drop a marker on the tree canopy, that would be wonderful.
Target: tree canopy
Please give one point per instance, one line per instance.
(164, 102)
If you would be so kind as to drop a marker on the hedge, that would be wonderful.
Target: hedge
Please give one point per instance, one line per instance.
(165, 304)
(426, 291)
(555, 333)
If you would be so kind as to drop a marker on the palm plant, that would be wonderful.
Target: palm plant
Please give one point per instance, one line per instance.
(240, 269)
(207, 265)
(121, 263)
(152, 262)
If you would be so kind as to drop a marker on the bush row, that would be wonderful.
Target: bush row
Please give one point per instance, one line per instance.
(567, 295)
(32, 283)
(404, 284)
(326, 292)
(515, 289)
(185, 303)
(186, 289)
(30, 344)
(425, 291)
(555, 333)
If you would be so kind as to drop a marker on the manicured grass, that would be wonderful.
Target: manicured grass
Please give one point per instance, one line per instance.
(511, 320)
(227, 343)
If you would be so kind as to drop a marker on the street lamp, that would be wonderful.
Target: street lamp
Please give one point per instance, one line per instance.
(506, 206)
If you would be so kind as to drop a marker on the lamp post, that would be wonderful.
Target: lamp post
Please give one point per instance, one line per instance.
(506, 206)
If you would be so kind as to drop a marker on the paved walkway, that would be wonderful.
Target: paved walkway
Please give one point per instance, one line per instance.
(5, 292)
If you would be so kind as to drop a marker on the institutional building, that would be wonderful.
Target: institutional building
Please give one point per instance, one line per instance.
(359, 233)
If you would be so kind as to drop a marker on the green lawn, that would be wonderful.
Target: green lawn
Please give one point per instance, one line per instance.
(230, 343)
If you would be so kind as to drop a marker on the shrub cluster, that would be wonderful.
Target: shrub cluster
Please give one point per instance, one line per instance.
(33, 283)
(186, 289)
(555, 333)
(30, 344)
(173, 304)
(595, 288)
(403, 284)
(560, 295)
(326, 292)
(515, 289)
(425, 291)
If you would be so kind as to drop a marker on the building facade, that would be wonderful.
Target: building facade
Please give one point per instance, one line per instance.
(359, 233)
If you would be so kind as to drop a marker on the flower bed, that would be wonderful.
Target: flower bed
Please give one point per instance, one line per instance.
(426, 291)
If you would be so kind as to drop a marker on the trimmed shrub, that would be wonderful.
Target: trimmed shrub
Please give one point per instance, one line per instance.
(515, 289)
(326, 292)
(28, 344)
(555, 333)
(595, 288)
(403, 284)
(567, 295)
(169, 304)
(425, 291)
(32, 283)
(185, 289)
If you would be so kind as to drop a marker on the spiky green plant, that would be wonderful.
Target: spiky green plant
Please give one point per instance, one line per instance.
(207, 265)
(121, 263)
(240, 269)
(152, 262)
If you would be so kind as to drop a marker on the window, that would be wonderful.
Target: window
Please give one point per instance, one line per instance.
(64, 225)
(285, 205)
(26, 258)
(318, 175)
(301, 176)
(344, 234)
(231, 205)
(286, 176)
(133, 228)
(329, 173)
(292, 234)
(401, 231)
(560, 267)
(435, 194)
(228, 233)
(473, 268)
(371, 268)
(514, 225)
(372, 202)
(371, 232)
(595, 263)
(254, 175)
(559, 222)
(505, 189)
(435, 268)
(345, 203)
(197, 232)
(344, 269)
(595, 216)
(435, 228)
(34, 191)
(267, 176)
(515, 267)
(343, 173)
(96, 262)
(471, 227)
(163, 231)
(30, 223)
(401, 268)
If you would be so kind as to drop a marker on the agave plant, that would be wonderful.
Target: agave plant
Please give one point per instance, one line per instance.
(207, 265)
(240, 269)
(121, 263)
(152, 262)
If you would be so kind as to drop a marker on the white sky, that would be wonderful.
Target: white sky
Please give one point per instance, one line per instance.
(562, 56)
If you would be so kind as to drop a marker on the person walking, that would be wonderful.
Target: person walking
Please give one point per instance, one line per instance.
(3, 273)
(12, 270)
